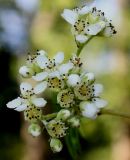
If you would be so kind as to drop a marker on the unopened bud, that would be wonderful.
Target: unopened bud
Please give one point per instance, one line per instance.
(56, 145)
(34, 129)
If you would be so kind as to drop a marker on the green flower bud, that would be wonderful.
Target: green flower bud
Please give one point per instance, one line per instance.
(56, 145)
(34, 129)
(63, 114)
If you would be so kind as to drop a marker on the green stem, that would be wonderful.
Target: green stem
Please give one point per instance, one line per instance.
(49, 116)
(114, 113)
(82, 46)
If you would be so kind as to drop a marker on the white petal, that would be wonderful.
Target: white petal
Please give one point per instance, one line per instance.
(70, 16)
(98, 89)
(73, 79)
(64, 68)
(54, 74)
(14, 103)
(87, 8)
(24, 71)
(42, 61)
(39, 102)
(59, 57)
(24, 87)
(42, 52)
(21, 107)
(82, 38)
(89, 110)
(108, 32)
(94, 29)
(100, 103)
(39, 88)
(90, 76)
(40, 76)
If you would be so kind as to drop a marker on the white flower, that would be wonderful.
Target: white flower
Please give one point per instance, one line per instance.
(34, 129)
(56, 128)
(55, 81)
(31, 68)
(73, 80)
(28, 97)
(66, 98)
(50, 64)
(33, 114)
(86, 22)
(109, 30)
(88, 109)
(56, 145)
(91, 109)
(71, 16)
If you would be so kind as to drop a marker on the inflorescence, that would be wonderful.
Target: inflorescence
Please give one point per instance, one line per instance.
(77, 93)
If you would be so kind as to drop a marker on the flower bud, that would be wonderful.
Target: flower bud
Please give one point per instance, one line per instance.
(74, 122)
(34, 129)
(56, 145)
(63, 114)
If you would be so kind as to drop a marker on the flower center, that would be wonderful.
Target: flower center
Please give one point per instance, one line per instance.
(84, 92)
(32, 114)
(55, 83)
(56, 129)
(79, 26)
(66, 98)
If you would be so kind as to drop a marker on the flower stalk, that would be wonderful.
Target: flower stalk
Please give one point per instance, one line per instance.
(114, 113)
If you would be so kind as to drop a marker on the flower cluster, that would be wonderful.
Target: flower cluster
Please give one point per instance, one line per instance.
(87, 22)
(77, 93)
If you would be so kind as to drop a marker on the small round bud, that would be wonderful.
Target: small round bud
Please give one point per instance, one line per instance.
(63, 114)
(56, 145)
(74, 122)
(34, 129)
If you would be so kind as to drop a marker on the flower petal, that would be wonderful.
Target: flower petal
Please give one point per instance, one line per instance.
(94, 29)
(21, 107)
(42, 61)
(87, 8)
(40, 76)
(81, 38)
(39, 88)
(59, 57)
(89, 109)
(98, 88)
(39, 102)
(24, 87)
(14, 103)
(25, 71)
(73, 79)
(54, 74)
(64, 68)
(100, 103)
(70, 16)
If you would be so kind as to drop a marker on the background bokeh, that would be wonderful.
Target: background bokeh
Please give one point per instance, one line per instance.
(28, 25)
